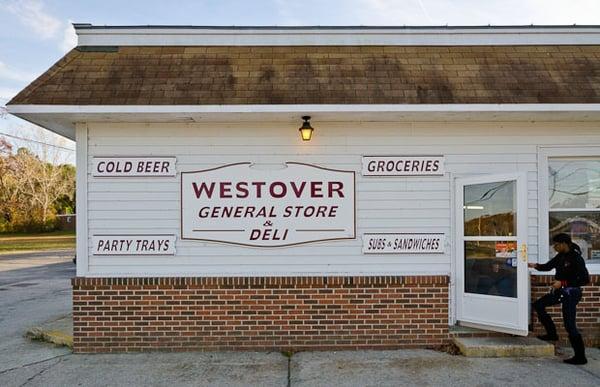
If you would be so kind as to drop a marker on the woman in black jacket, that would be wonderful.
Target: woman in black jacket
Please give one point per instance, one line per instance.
(571, 275)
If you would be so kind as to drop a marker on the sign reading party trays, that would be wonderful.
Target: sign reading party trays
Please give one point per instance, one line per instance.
(248, 205)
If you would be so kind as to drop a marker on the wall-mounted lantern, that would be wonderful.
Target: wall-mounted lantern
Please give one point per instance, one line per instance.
(306, 130)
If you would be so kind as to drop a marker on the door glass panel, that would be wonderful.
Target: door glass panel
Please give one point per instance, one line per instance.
(491, 268)
(490, 209)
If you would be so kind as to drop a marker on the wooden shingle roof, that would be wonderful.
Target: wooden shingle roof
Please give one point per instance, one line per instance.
(221, 75)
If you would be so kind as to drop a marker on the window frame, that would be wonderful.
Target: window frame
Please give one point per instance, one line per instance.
(544, 154)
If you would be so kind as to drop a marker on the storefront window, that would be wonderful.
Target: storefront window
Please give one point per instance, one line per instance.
(574, 201)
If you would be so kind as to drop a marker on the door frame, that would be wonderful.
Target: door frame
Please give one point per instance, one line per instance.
(523, 282)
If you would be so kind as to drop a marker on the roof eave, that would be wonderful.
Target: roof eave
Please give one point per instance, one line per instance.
(62, 119)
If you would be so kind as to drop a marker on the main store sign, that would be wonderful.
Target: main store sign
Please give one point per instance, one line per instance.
(245, 205)
(134, 166)
(133, 244)
(390, 243)
(403, 165)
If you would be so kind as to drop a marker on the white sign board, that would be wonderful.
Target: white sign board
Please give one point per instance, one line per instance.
(403, 166)
(245, 205)
(133, 244)
(134, 166)
(398, 243)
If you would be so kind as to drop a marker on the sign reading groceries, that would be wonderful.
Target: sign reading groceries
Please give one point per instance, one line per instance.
(246, 205)
(403, 165)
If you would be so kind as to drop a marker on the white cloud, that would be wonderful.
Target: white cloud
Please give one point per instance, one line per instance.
(33, 15)
(69, 38)
(10, 74)
(6, 94)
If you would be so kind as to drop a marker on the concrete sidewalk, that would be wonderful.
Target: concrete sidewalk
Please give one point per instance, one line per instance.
(352, 368)
(429, 368)
(345, 368)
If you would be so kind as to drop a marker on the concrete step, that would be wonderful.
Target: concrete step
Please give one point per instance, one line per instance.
(508, 346)
(463, 331)
(58, 331)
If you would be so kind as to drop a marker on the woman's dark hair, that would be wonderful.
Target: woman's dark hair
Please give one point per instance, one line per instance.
(566, 238)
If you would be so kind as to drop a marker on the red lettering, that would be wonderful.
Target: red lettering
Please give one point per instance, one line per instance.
(242, 189)
(316, 189)
(282, 192)
(335, 186)
(225, 190)
(298, 190)
(203, 188)
(258, 185)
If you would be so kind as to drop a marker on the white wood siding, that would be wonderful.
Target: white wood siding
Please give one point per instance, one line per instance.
(384, 204)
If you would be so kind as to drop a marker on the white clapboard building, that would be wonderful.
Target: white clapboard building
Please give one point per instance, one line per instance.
(322, 187)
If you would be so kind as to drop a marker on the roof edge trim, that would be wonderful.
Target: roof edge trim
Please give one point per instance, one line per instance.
(353, 108)
(89, 35)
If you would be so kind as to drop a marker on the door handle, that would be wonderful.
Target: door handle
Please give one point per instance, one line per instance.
(523, 252)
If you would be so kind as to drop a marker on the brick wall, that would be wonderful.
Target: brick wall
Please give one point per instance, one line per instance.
(588, 310)
(259, 313)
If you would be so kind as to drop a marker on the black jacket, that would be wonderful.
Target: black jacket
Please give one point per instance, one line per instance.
(570, 267)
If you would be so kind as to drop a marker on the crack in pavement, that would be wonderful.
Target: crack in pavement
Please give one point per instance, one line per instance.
(41, 372)
(289, 375)
(34, 363)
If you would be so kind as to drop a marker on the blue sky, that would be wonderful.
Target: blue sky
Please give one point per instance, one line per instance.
(36, 33)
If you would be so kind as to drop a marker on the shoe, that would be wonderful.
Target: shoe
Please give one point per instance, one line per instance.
(548, 337)
(579, 349)
(575, 360)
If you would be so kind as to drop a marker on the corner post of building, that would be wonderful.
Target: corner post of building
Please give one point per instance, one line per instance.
(81, 136)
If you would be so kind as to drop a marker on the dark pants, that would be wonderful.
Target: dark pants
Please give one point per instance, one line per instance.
(569, 299)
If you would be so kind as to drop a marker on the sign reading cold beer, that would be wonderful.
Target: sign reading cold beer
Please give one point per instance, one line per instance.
(403, 165)
(134, 166)
(403, 243)
(245, 205)
(133, 244)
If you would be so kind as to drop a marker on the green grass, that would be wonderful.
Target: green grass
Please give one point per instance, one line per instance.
(37, 242)
(35, 235)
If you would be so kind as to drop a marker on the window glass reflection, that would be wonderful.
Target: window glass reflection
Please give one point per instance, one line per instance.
(491, 268)
(582, 226)
(574, 183)
(490, 209)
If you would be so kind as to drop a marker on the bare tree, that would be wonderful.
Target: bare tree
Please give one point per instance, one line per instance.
(32, 184)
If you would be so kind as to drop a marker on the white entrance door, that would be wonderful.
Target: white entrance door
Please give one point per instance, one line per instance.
(491, 255)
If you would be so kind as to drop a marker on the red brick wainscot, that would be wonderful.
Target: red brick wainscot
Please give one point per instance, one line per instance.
(259, 313)
(588, 310)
